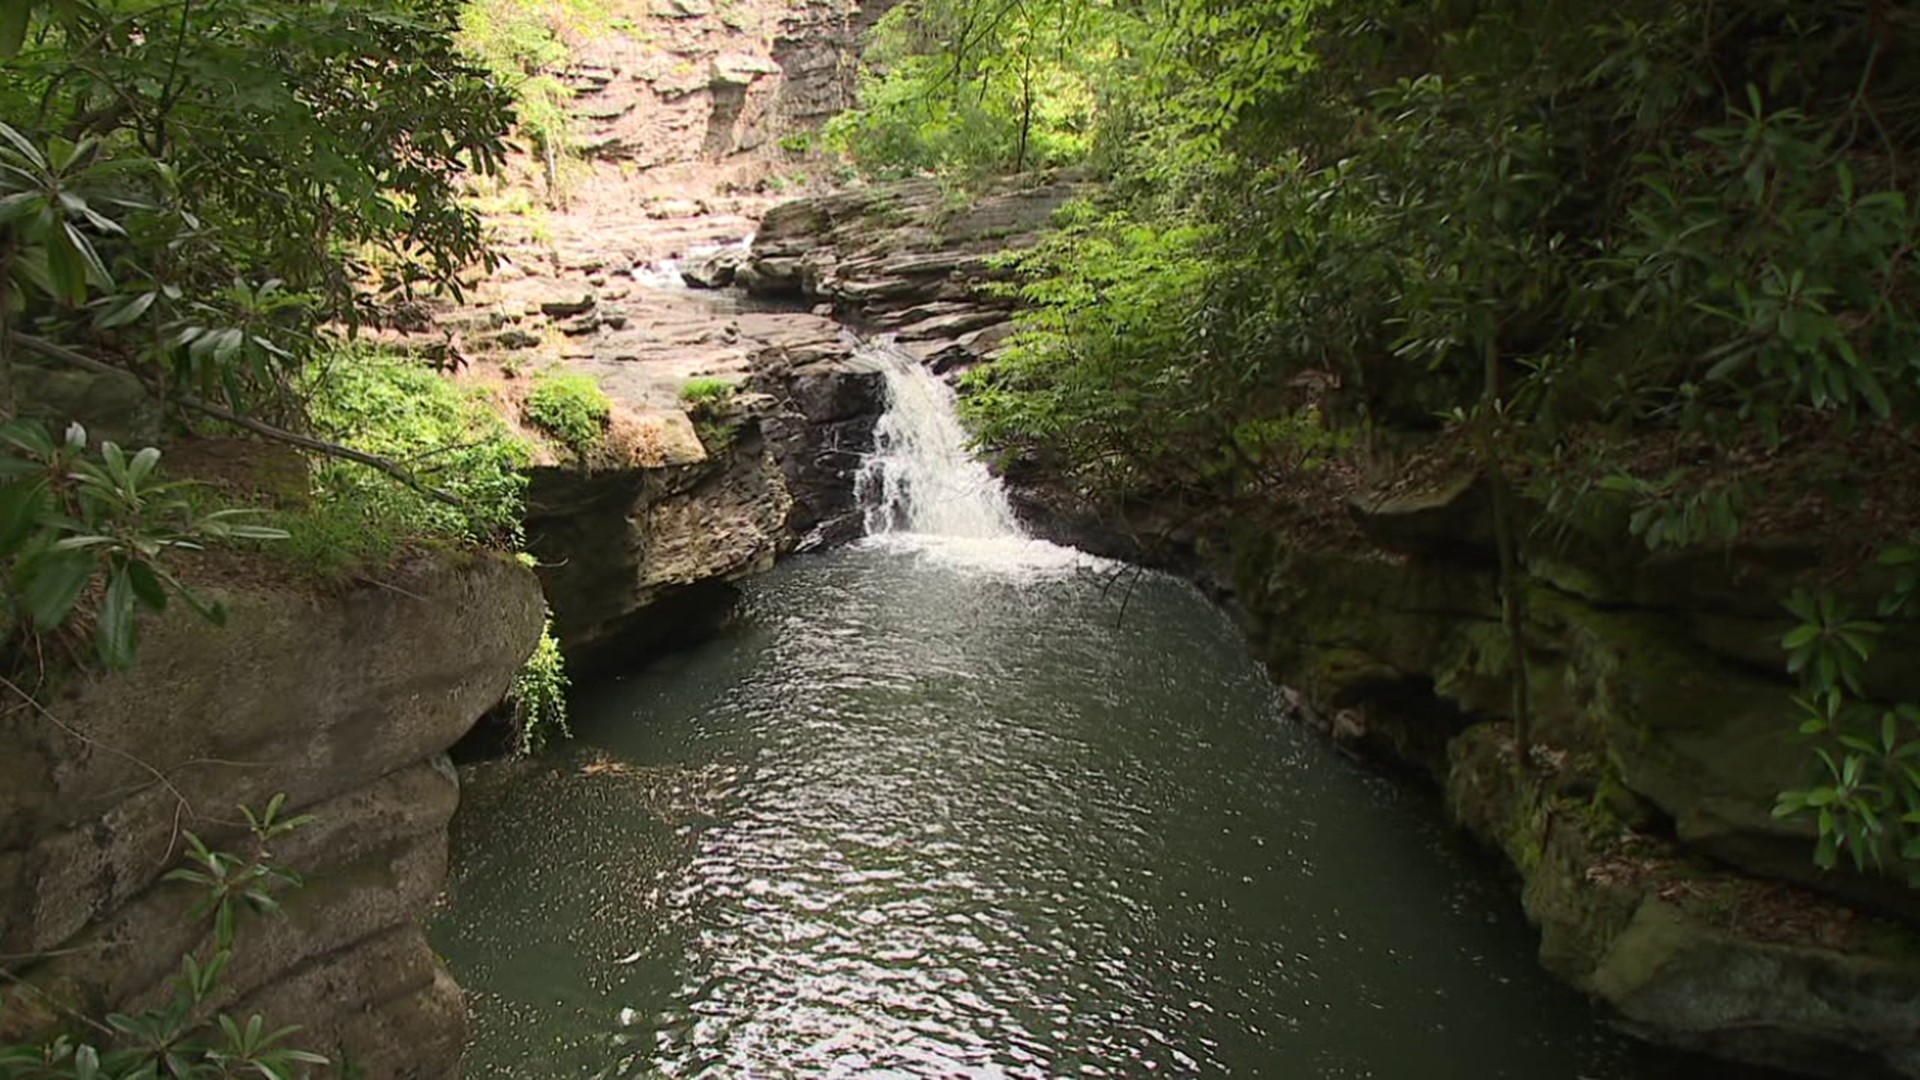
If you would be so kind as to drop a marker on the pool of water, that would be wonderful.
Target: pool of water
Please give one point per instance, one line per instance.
(983, 809)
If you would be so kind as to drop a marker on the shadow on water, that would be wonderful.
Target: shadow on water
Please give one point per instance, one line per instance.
(922, 813)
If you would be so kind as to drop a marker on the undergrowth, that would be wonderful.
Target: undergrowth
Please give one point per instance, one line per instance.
(356, 518)
(571, 408)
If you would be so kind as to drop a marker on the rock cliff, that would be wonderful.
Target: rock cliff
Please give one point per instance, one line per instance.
(902, 259)
(345, 702)
(1661, 882)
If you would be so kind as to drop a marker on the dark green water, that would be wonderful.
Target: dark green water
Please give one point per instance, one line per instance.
(908, 819)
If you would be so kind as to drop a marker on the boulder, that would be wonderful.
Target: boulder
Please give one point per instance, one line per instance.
(343, 701)
(1686, 953)
(714, 271)
(617, 542)
(819, 429)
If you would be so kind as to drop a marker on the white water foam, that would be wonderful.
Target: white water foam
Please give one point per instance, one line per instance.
(924, 492)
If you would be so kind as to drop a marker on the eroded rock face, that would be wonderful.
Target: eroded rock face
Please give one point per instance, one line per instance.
(820, 429)
(704, 80)
(1660, 880)
(344, 702)
(895, 258)
(615, 545)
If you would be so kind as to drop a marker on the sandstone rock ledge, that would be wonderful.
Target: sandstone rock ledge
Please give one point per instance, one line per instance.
(344, 701)
(897, 258)
(1649, 859)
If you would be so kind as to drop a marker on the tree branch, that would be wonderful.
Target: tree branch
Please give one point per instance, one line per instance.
(306, 442)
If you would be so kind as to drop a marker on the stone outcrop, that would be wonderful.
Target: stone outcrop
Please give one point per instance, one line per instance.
(626, 280)
(637, 554)
(896, 258)
(700, 80)
(345, 702)
(1661, 882)
(638, 557)
(820, 431)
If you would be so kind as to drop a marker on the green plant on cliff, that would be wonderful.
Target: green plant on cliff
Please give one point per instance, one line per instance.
(709, 403)
(159, 153)
(190, 195)
(706, 395)
(449, 438)
(526, 45)
(539, 696)
(184, 1038)
(77, 522)
(976, 88)
(571, 408)
(1866, 801)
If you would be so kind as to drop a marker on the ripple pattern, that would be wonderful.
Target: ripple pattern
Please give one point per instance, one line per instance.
(910, 820)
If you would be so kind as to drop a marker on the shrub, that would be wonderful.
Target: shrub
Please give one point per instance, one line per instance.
(179, 1038)
(73, 518)
(453, 441)
(571, 408)
(707, 395)
(539, 695)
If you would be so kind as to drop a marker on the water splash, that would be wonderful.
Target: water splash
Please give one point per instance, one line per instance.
(923, 490)
(921, 477)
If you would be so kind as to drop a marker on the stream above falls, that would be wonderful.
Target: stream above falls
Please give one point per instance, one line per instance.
(959, 803)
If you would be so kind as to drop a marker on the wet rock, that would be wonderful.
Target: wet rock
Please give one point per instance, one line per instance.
(516, 338)
(616, 543)
(819, 430)
(1688, 954)
(898, 257)
(580, 325)
(715, 271)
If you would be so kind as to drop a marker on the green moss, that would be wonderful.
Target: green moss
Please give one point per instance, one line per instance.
(571, 408)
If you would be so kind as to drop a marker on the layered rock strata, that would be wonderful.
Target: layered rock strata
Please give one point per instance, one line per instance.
(344, 702)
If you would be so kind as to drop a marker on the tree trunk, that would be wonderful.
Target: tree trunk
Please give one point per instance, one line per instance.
(1026, 117)
(1513, 599)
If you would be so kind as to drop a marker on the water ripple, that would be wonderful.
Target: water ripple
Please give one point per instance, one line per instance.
(919, 821)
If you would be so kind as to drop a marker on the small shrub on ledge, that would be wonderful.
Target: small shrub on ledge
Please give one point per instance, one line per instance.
(571, 408)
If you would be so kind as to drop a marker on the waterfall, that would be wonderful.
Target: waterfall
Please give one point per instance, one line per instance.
(921, 478)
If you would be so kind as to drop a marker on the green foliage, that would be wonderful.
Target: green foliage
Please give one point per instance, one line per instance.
(179, 1040)
(1866, 801)
(539, 696)
(955, 86)
(709, 403)
(77, 522)
(524, 45)
(450, 438)
(191, 186)
(707, 395)
(1612, 249)
(1393, 212)
(571, 408)
(1103, 353)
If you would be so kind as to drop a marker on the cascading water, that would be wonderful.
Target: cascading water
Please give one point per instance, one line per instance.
(921, 478)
